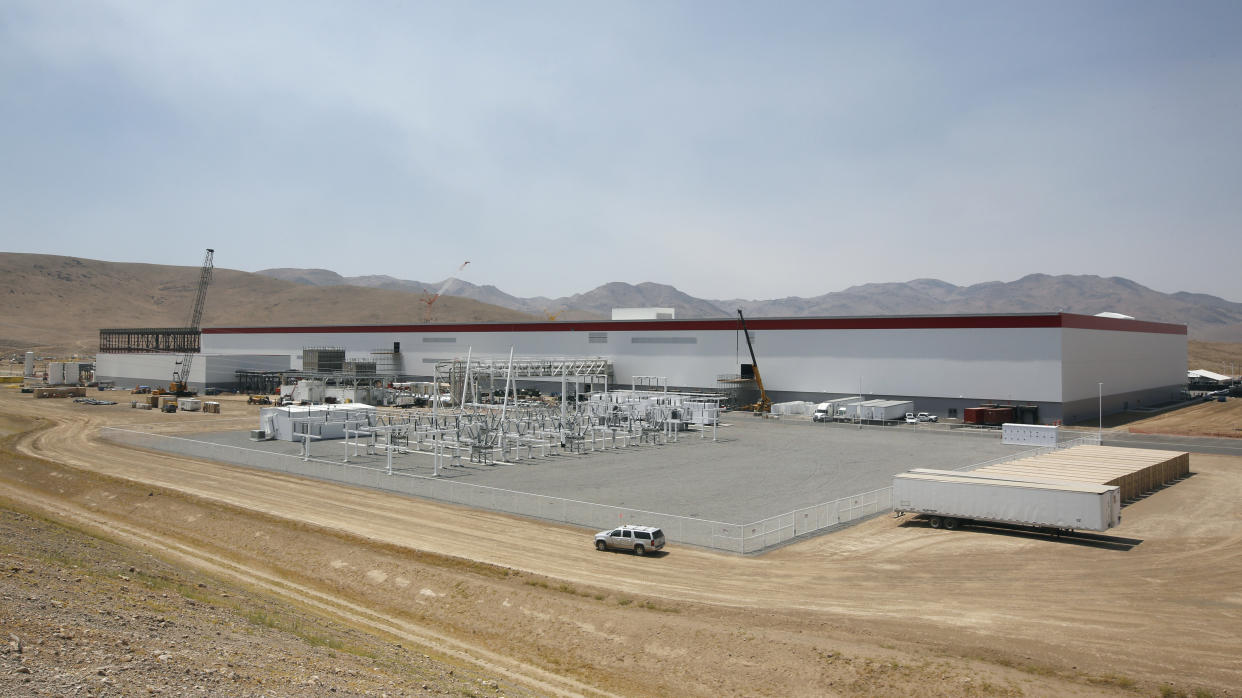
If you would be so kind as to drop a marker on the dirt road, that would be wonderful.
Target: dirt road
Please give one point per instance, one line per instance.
(884, 608)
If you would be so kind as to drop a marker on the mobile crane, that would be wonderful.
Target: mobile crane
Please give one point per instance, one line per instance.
(764, 405)
(181, 376)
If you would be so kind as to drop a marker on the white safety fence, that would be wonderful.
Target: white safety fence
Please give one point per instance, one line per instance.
(718, 535)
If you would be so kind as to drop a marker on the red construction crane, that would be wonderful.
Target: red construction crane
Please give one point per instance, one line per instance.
(430, 300)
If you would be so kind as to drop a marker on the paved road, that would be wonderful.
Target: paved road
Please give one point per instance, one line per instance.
(1194, 444)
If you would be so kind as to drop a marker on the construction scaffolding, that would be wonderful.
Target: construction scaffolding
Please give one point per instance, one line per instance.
(149, 340)
(465, 375)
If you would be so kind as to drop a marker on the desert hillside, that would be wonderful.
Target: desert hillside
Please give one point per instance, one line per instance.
(57, 305)
(1208, 318)
(1221, 357)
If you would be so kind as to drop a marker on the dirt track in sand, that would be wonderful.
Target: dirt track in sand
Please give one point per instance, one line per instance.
(884, 608)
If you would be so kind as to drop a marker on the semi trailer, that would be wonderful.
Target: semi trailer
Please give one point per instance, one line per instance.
(949, 498)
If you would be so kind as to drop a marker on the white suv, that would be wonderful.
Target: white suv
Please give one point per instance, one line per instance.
(640, 539)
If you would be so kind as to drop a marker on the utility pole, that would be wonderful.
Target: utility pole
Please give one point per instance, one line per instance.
(1100, 433)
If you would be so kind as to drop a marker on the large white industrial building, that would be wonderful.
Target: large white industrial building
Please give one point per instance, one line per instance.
(944, 363)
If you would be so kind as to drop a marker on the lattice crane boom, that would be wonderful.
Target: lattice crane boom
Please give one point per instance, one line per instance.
(182, 376)
(765, 404)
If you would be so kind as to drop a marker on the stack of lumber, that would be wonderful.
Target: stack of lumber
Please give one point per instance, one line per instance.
(1136, 471)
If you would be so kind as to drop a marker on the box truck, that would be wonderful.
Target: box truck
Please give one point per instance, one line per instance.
(949, 498)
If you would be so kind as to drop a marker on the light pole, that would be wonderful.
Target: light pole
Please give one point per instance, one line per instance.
(1100, 433)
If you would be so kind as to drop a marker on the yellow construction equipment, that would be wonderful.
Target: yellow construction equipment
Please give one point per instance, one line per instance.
(764, 405)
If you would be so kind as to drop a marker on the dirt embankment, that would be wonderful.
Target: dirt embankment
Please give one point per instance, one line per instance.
(1204, 419)
(86, 616)
(1221, 419)
(885, 608)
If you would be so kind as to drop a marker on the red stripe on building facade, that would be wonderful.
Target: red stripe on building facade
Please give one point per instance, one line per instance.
(913, 322)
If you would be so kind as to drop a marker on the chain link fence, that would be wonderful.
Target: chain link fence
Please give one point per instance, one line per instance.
(777, 530)
(717, 535)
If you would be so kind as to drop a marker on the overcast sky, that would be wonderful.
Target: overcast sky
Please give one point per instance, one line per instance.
(748, 149)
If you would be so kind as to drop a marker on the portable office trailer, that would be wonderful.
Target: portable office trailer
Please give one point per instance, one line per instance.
(876, 410)
(948, 498)
(886, 410)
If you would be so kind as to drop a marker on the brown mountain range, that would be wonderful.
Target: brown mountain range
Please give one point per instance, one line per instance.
(1208, 317)
(57, 305)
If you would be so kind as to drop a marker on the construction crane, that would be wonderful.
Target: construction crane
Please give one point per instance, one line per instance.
(430, 300)
(765, 404)
(181, 377)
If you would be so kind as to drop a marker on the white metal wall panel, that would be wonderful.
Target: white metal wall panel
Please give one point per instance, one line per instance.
(220, 370)
(1124, 361)
(144, 367)
(1001, 363)
(158, 369)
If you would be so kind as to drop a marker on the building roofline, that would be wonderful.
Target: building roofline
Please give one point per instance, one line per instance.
(884, 322)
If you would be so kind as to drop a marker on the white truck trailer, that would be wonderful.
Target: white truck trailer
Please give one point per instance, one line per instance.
(950, 498)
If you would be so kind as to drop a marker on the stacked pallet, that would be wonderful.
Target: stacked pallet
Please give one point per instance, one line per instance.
(1136, 471)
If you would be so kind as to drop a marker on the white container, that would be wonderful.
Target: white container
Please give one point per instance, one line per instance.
(189, 404)
(797, 407)
(1024, 501)
(321, 421)
(1028, 434)
(886, 410)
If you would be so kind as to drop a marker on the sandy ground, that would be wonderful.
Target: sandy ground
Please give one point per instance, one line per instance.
(1217, 419)
(1203, 419)
(888, 607)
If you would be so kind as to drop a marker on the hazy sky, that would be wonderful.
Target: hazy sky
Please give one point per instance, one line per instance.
(746, 149)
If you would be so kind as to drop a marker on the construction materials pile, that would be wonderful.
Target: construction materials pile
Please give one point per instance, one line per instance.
(793, 408)
(60, 392)
(1136, 471)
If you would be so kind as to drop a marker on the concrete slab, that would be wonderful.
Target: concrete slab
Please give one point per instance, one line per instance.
(757, 468)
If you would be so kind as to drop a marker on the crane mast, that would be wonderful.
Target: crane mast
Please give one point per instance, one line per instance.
(181, 378)
(765, 404)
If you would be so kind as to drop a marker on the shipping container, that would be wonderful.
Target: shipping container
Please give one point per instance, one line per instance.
(974, 415)
(990, 415)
